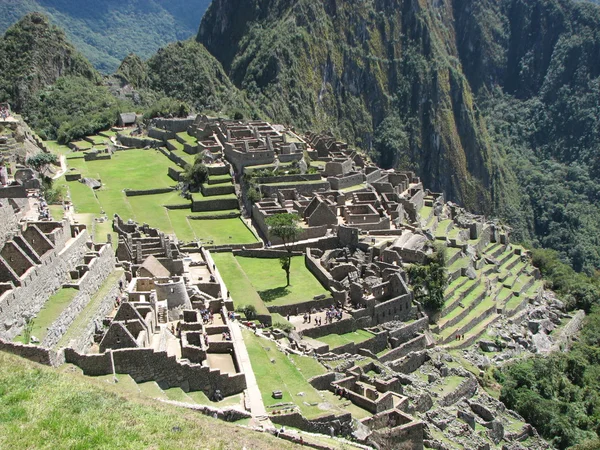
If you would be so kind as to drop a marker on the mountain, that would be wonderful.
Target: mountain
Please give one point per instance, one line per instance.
(33, 55)
(107, 31)
(490, 101)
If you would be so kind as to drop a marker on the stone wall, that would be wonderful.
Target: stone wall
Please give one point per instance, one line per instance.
(174, 125)
(375, 344)
(40, 283)
(340, 424)
(135, 193)
(415, 344)
(407, 332)
(9, 222)
(466, 389)
(409, 363)
(264, 253)
(33, 353)
(341, 327)
(147, 365)
(338, 183)
(288, 178)
(302, 307)
(100, 269)
(214, 205)
(83, 340)
(217, 189)
(269, 190)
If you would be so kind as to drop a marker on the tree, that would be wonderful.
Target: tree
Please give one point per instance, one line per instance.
(196, 174)
(429, 280)
(285, 227)
(41, 161)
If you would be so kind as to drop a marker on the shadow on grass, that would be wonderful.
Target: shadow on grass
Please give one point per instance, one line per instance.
(273, 294)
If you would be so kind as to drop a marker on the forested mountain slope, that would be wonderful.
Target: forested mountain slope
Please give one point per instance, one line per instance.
(493, 102)
(106, 31)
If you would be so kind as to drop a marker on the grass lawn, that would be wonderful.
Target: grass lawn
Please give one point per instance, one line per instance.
(187, 138)
(57, 148)
(55, 305)
(269, 280)
(337, 340)
(44, 408)
(309, 367)
(239, 285)
(222, 231)
(281, 375)
(88, 313)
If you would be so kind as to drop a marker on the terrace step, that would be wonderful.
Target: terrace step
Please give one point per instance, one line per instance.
(151, 389)
(478, 314)
(178, 395)
(504, 257)
(461, 293)
(456, 284)
(475, 333)
(468, 304)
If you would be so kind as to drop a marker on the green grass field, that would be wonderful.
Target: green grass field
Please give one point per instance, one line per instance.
(142, 170)
(269, 280)
(337, 340)
(241, 288)
(282, 375)
(44, 408)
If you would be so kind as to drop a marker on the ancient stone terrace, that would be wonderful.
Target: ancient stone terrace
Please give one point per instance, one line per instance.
(33, 265)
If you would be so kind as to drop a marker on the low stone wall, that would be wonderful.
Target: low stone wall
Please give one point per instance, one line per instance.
(314, 266)
(409, 331)
(33, 353)
(466, 389)
(135, 193)
(217, 189)
(214, 205)
(301, 308)
(174, 174)
(100, 269)
(338, 183)
(216, 216)
(341, 424)
(147, 365)
(176, 125)
(341, 327)
(416, 344)
(137, 142)
(161, 135)
(264, 253)
(288, 178)
(375, 344)
(322, 382)
(13, 192)
(409, 363)
(303, 189)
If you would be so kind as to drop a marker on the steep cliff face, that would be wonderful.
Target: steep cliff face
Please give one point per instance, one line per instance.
(33, 55)
(347, 65)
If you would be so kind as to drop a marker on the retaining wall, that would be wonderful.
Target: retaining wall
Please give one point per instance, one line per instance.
(100, 269)
(33, 353)
(40, 282)
(147, 365)
(135, 193)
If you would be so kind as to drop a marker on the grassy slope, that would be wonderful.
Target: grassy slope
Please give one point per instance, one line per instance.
(41, 408)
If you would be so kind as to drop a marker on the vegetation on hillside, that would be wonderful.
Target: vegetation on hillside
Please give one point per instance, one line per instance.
(559, 394)
(186, 71)
(41, 408)
(33, 55)
(429, 280)
(106, 31)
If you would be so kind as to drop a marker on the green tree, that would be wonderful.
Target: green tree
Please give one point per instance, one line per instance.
(285, 227)
(195, 174)
(41, 161)
(429, 280)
